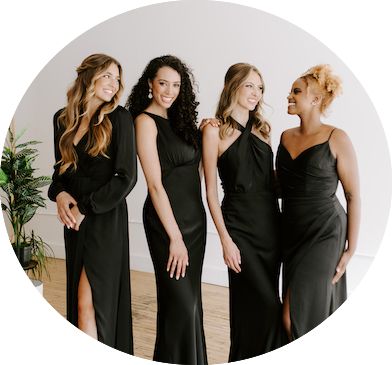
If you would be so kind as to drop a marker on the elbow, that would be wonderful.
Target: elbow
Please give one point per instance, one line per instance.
(155, 188)
(352, 197)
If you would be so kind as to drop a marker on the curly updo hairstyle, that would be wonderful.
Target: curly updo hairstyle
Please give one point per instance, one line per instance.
(182, 114)
(321, 79)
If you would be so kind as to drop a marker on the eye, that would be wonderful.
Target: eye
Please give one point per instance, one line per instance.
(177, 85)
(296, 90)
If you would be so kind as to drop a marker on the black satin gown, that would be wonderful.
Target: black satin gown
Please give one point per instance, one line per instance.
(251, 214)
(180, 335)
(100, 186)
(314, 227)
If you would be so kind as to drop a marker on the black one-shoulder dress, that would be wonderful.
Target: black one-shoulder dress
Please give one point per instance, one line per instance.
(251, 214)
(314, 227)
(180, 334)
(100, 186)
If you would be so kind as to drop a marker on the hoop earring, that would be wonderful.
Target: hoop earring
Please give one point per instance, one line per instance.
(149, 93)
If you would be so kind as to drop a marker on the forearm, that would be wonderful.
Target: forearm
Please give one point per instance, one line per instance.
(353, 222)
(162, 206)
(217, 216)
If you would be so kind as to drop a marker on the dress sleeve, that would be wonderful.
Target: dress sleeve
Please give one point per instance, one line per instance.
(124, 175)
(58, 184)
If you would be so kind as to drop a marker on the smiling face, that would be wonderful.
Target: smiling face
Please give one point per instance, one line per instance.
(301, 98)
(107, 84)
(250, 92)
(165, 87)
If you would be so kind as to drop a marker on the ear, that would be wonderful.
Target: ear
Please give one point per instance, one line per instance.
(316, 100)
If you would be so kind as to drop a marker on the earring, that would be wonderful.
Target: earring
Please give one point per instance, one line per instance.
(314, 103)
(149, 93)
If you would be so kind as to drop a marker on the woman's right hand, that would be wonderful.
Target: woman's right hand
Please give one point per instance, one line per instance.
(231, 255)
(64, 200)
(178, 258)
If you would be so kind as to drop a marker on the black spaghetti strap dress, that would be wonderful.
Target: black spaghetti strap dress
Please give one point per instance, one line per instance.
(180, 334)
(100, 186)
(314, 227)
(251, 214)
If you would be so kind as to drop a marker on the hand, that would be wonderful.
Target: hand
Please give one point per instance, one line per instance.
(178, 258)
(213, 121)
(341, 268)
(64, 200)
(78, 217)
(231, 255)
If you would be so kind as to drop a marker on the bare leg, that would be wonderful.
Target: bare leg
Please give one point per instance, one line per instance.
(286, 315)
(86, 312)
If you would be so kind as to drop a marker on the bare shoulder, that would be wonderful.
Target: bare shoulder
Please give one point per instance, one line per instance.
(210, 131)
(144, 121)
(288, 133)
(339, 136)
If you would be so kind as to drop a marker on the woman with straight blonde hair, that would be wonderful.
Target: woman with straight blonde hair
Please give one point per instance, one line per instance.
(247, 222)
(94, 172)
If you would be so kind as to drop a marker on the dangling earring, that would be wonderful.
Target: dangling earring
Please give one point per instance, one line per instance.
(149, 93)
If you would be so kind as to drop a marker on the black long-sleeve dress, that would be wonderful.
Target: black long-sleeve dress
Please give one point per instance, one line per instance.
(100, 186)
(180, 334)
(251, 214)
(314, 226)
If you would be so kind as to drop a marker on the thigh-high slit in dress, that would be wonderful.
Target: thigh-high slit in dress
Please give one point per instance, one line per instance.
(100, 186)
(314, 227)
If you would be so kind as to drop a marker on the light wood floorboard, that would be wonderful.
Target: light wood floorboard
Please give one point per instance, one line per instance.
(215, 306)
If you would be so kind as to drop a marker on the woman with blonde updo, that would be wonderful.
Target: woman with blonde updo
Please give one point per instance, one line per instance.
(248, 220)
(95, 170)
(319, 236)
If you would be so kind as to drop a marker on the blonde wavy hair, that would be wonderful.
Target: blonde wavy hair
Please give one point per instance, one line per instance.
(320, 79)
(80, 96)
(235, 76)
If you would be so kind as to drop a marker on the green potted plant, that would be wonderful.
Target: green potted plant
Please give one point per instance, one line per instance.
(21, 200)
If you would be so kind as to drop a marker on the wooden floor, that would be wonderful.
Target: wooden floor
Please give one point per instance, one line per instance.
(215, 307)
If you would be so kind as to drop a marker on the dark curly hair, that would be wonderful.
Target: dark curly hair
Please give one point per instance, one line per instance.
(182, 114)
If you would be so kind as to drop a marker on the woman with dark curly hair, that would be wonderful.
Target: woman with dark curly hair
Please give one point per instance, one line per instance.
(168, 144)
(94, 143)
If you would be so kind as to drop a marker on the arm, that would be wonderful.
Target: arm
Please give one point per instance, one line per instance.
(124, 175)
(57, 189)
(231, 253)
(146, 136)
(349, 177)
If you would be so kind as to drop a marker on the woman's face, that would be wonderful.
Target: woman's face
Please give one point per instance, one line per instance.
(165, 87)
(250, 91)
(107, 84)
(301, 98)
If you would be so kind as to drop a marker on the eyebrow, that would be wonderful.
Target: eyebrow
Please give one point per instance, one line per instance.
(174, 82)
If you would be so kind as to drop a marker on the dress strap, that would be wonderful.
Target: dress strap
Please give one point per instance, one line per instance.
(331, 134)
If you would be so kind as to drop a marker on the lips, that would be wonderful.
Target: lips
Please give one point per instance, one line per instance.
(166, 99)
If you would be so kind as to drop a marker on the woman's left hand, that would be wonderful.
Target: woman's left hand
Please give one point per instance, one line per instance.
(213, 121)
(341, 268)
(78, 216)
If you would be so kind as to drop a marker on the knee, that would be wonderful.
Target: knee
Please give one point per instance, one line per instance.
(85, 309)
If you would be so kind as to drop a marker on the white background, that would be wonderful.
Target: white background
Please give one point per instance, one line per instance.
(32, 33)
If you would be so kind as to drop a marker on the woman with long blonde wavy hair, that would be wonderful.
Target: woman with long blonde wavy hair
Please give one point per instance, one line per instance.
(94, 172)
(247, 221)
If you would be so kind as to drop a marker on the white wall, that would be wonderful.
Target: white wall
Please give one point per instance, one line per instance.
(210, 36)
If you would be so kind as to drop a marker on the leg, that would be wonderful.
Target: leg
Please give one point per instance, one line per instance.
(86, 312)
(286, 315)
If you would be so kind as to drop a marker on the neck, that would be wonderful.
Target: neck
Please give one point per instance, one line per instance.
(240, 115)
(154, 108)
(310, 123)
